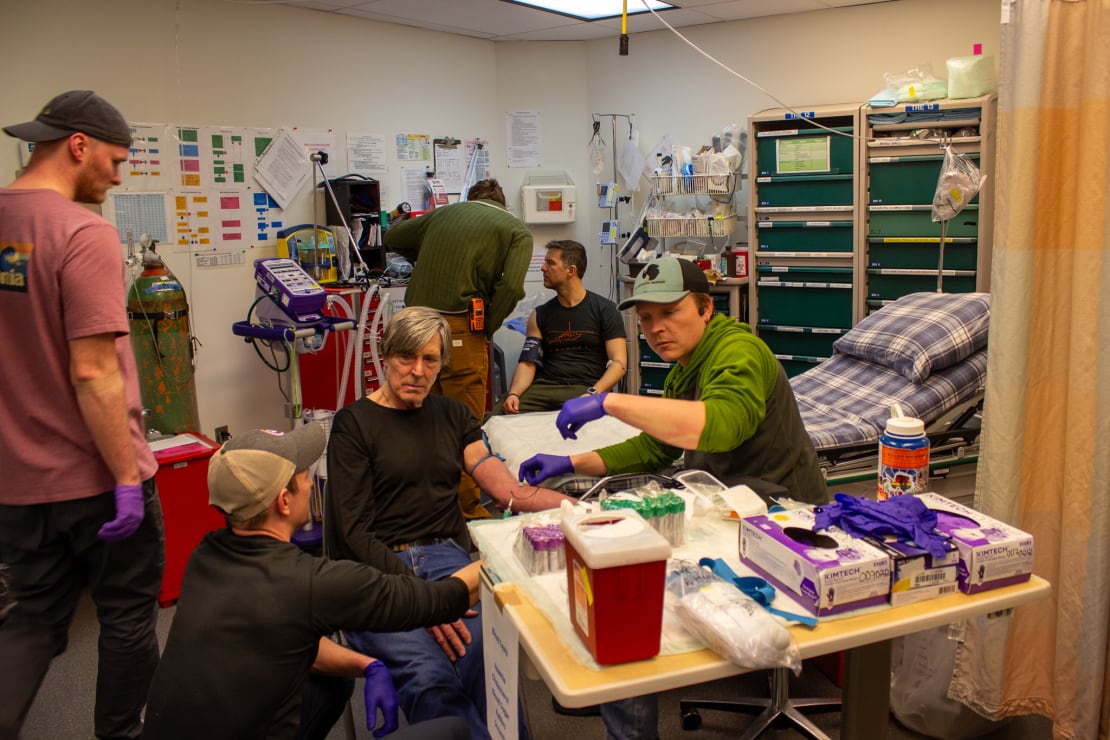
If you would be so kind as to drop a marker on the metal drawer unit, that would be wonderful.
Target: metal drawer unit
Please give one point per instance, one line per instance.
(805, 231)
(901, 166)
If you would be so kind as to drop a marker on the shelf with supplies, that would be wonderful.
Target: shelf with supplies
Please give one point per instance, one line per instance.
(899, 176)
(714, 226)
(703, 184)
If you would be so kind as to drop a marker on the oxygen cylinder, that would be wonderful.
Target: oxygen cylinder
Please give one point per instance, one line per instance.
(158, 315)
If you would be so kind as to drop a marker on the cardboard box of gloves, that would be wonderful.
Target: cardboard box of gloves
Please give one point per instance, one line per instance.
(855, 553)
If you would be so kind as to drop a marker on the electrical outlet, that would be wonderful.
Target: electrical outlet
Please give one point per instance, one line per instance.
(222, 435)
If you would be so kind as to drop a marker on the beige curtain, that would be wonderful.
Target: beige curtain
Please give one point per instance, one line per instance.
(1045, 462)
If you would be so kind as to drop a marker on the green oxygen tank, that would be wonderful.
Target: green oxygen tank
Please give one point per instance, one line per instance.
(158, 315)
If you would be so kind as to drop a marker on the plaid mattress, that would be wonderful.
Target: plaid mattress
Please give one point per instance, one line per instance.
(846, 401)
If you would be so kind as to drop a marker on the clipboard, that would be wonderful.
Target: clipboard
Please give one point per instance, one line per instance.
(448, 156)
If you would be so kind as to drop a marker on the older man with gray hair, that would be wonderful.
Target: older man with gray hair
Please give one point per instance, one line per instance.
(394, 461)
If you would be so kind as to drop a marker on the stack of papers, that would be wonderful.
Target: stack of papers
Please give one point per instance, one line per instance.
(179, 444)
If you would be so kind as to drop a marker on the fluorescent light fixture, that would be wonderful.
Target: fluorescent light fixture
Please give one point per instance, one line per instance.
(591, 10)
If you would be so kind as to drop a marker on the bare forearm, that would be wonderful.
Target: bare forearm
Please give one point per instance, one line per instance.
(496, 480)
(333, 659)
(588, 463)
(609, 380)
(670, 420)
(94, 373)
(522, 378)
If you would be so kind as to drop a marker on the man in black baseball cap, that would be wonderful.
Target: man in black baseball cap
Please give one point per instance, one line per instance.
(80, 511)
(75, 111)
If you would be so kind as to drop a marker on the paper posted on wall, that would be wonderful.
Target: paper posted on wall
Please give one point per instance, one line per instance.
(283, 168)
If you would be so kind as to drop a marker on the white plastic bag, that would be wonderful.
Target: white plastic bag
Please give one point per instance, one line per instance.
(921, 669)
(958, 183)
(732, 624)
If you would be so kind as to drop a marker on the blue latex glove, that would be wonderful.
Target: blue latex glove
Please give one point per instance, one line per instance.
(538, 468)
(379, 694)
(129, 514)
(577, 411)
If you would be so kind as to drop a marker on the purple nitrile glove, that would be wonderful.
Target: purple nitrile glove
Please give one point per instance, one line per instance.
(129, 514)
(577, 411)
(538, 468)
(379, 694)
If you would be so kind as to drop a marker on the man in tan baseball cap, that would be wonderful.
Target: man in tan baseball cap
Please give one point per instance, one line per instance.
(255, 611)
(249, 472)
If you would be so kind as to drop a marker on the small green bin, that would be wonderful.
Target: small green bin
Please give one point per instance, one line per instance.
(801, 296)
(808, 343)
(652, 378)
(805, 236)
(960, 255)
(918, 221)
(892, 287)
(796, 365)
(808, 190)
(907, 180)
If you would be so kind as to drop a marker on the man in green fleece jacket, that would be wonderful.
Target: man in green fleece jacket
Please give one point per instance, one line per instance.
(727, 407)
(466, 250)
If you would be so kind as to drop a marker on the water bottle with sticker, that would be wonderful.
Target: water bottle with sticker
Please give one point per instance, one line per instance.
(903, 456)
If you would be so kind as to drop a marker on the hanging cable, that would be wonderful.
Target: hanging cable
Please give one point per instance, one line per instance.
(734, 73)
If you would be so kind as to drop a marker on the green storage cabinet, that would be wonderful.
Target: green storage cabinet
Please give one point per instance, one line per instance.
(910, 253)
(775, 149)
(805, 190)
(805, 296)
(806, 236)
(918, 221)
(906, 180)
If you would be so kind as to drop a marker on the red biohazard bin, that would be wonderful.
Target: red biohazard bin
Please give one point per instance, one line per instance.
(616, 569)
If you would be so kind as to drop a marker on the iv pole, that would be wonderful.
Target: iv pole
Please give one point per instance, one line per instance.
(614, 263)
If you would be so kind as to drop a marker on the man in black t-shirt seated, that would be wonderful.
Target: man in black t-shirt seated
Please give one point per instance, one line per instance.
(575, 343)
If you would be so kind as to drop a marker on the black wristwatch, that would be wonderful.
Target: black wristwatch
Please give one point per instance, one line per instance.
(592, 391)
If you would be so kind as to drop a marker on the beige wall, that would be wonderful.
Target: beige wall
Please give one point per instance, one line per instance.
(209, 62)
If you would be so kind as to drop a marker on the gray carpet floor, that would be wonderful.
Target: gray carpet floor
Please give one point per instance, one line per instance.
(63, 708)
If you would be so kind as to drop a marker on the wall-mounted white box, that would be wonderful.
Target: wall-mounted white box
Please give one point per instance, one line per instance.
(548, 198)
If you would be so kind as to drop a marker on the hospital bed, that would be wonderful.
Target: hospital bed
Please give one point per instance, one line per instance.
(925, 351)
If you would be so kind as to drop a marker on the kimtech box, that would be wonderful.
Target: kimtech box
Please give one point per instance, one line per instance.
(827, 571)
(917, 575)
(992, 553)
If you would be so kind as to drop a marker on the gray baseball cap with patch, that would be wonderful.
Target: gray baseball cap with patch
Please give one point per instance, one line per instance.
(666, 280)
(251, 468)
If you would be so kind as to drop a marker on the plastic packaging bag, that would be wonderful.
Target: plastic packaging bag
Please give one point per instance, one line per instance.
(631, 162)
(970, 77)
(915, 84)
(958, 183)
(733, 625)
(921, 669)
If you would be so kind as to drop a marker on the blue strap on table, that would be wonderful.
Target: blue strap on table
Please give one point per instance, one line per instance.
(755, 588)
